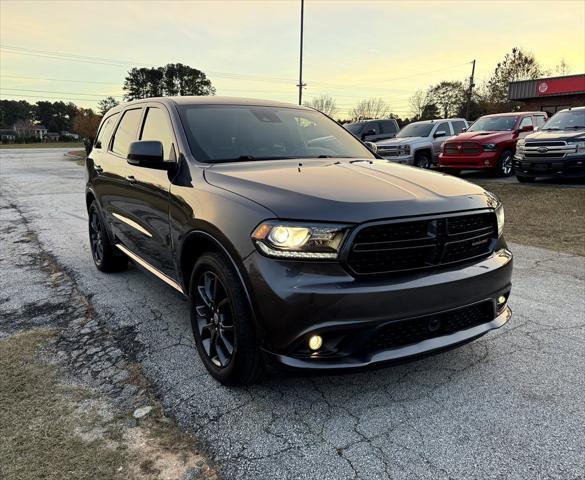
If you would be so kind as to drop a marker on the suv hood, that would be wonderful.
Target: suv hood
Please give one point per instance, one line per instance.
(344, 190)
(483, 136)
(568, 135)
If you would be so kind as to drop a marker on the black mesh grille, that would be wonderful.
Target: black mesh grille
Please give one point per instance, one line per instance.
(407, 332)
(462, 148)
(403, 246)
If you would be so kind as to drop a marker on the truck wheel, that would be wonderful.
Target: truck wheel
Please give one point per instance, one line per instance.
(525, 179)
(222, 323)
(505, 167)
(106, 257)
(422, 160)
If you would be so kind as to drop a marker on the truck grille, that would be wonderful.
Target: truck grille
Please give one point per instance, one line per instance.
(462, 148)
(556, 149)
(418, 244)
(387, 151)
(407, 332)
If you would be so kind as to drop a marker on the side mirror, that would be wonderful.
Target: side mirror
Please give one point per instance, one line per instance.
(368, 133)
(464, 129)
(147, 154)
(440, 133)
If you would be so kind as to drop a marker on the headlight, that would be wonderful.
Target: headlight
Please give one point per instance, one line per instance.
(299, 241)
(500, 218)
(580, 147)
(490, 147)
(404, 149)
(520, 144)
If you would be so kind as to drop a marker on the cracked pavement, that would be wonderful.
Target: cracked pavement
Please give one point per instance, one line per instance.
(509, 405)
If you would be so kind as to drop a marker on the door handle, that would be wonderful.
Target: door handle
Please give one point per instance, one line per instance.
(131, 178)
(98, 169)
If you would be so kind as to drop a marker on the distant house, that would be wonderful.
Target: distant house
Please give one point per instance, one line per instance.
(7, 135)
(51, 136)
(25, 128)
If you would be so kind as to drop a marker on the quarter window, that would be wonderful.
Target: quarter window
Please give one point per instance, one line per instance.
(526, 121)
(126, 132)
(157, 127)
(388, 127)
(105, 132)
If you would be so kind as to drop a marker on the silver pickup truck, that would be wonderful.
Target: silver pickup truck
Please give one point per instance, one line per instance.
(419, 143)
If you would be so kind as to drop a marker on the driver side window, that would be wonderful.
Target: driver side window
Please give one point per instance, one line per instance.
(157, 127)
(526, 122)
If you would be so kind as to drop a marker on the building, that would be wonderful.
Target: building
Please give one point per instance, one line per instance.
(7, 135)
(549, 94)
(26, 128)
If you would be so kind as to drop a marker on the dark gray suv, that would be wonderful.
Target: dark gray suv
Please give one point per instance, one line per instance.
(294, 243)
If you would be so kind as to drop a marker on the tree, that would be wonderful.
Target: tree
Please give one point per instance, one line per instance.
(86, 122)
(324, 104)
(13, 110)
(56, 116)
(422, 106)
(562, 68)
(516, 65)
(106, 104)
(448, 97)
(172, 79)
(370, 108)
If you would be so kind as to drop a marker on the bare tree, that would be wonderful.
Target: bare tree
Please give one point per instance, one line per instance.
(422, 106)
(562, 68)
(370, 108)
(324, 104)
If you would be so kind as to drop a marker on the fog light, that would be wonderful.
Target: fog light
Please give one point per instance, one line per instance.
(315, 342)
(501, 300)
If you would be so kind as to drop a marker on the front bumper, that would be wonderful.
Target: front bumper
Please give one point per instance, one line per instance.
(403, 159)
(294, 300)
(469, 162)
(573, 166)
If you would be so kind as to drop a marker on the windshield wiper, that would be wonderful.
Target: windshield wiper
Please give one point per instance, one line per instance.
(575, 127)
(550, 128)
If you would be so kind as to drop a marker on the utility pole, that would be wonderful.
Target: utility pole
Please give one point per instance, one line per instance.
(471, 85)
(301, 84)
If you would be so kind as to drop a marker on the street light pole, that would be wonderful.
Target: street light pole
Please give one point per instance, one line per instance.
(470, 93)
(301, 85)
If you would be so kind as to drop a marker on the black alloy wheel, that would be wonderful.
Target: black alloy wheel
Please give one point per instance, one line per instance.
(215, 319)
(505, 166)
(106, 257)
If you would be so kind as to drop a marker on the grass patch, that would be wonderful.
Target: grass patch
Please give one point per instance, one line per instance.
(543, 216)
(38, 420)
(6, 146)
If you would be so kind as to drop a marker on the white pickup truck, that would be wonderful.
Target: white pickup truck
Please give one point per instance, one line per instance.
(419, 143)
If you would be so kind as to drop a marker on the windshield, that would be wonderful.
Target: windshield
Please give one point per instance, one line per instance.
(416, 130)
(571, 119)
(228, 133)
(494, 124)
(354, 128)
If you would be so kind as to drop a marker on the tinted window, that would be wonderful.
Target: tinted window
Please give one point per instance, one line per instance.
(419, 129)
(526, 121)
(540, 120)
(458, 126)
(103, 138)
(157, 127)
(375, 126)
(354, 128)
(388, 127)
(126, 131)
(232, 133)
(444, 127)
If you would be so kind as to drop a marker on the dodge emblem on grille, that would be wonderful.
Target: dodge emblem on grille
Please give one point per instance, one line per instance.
(542, 149)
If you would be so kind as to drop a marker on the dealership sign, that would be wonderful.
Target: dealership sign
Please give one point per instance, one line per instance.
(557, 86)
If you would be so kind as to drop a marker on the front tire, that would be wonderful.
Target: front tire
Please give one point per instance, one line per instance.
(222, 324)
(105, 256)
(505, 166)
(422, 160)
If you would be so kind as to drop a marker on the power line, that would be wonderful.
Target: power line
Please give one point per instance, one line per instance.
(56, 79)
(55, 98)
(65, 93)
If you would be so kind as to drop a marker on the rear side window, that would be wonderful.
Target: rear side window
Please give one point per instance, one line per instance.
(157, 127)
(126, 132)
(388, 127)
(540, 120)
(526, 121)
(103, 138)
(458, 126)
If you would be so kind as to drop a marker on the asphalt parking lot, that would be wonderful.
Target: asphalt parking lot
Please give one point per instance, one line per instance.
(509, 405)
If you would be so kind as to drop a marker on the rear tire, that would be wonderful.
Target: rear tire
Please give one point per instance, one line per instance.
(505, 166)
(106, 257)
(525, 179)
(222, 323)
(422, 160)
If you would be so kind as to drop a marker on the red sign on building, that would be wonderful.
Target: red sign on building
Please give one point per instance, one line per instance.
(561, 85)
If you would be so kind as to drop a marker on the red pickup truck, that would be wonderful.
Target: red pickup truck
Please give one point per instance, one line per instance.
(490, 143)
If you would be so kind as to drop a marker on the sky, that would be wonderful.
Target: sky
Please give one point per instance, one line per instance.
(353, 49)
